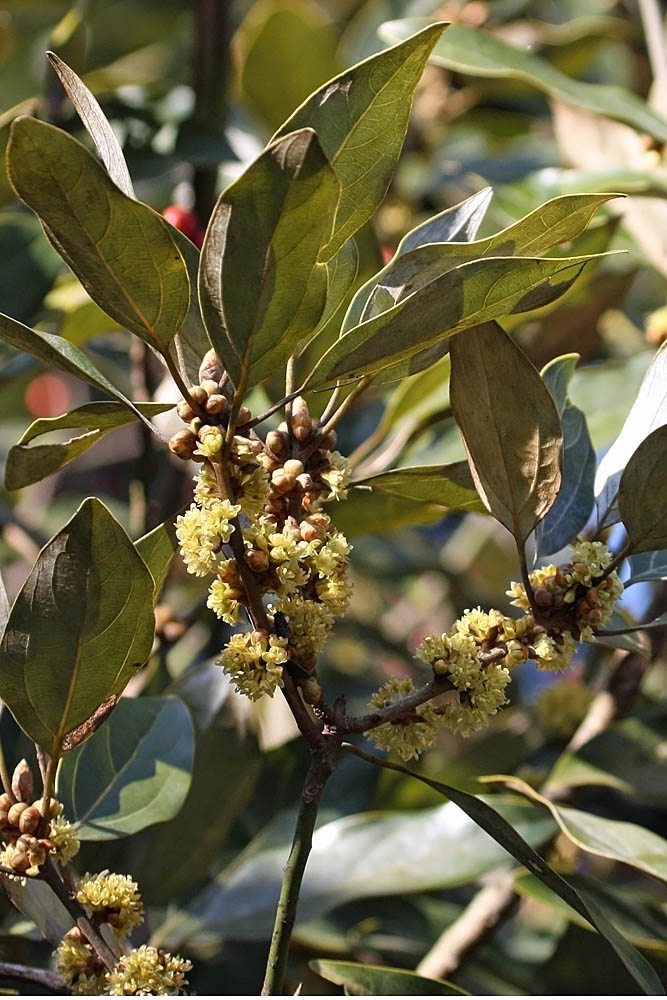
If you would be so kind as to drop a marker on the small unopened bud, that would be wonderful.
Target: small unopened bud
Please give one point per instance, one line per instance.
(594, 616)
(258, 560)
(581, 569)
(308, 531)
(312, 692)
(199, 394)
(5, 802)
(293, 467)
(302, 431)
(211, 367)
(268, 463)
(305, 481)
(310, 498)
(302, 425)
(14, 814)
(216, 403)
(4, 819)
(282, 483)
(210, 385)
(543, 598)
(29, 820)
(185, 412)
(20, 862)
(259, 635)
(22, 784)
(328, 441)
(26, 842)
(244, 416)
(277, 441)
(183, 444)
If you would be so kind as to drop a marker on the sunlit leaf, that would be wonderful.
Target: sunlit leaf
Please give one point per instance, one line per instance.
(380, 980)
(157, 548)
(449, 486)
(642, 498)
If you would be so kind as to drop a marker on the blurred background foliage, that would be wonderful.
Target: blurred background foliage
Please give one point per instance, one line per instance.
(194, 91)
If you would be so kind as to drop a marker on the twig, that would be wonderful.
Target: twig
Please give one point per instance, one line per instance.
(484, 911)
(439, 685)
(274, 408)
(50, 981)
(318, 773)
(331, 406)
(77, 912)
(347, 403)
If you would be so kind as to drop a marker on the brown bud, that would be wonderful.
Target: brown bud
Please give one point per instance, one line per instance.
(211, 367)
(199, 394)
(9, 834)
(20, 862)
(277, 441)
(328, 441)
(4, 819)
(37, 856)
(268, 463)
(293, 468)
(592, 596)
(560, 579)
(74, 934)
(594, 616)
(310, 498)
(312, 692)
(244, 416)
(216, 403)
(282, 483)
(183, 444)
(14, 814)
(30, 820)
(308, 531)
(185, 412)
(581, 569)
(543, 598)
(259, 635)
(210, 385)
(22, 784)
(26, 842)
(558, 600)
(305, 481)
(5, 802)
(258, 560)
(300, 408)
(302, 431)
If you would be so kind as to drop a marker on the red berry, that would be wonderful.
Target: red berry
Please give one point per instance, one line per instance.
(186, 221)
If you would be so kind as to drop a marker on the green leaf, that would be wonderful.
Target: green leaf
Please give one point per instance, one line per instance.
(39, 903)
(463, 297)
(449, 486)
(361, 118)
(647, 566)
(355, 857)
(557, 221)
(648, 412)
(367, 513)
(510, 427)
(260, 254)
(629, 757)
(380, 980)
(459, 223)
(574, 503)
(134, 771)
(642, 499)
(95, 123)
(489, 819)
(157, 548)
(473, 52)
(80, 627)
(27, 464)
(29, 265)
(59, 353)
(418, 397)
(341, 272)
(120, 249)
(226, 747)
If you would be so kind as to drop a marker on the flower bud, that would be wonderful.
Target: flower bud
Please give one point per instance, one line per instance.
(14, 814)
(258, 560)
(259, 635)
(199, 394)
(20, 862)
(5, 802)
(22, 784)
(312, 692)
(216, 403)
(282, 483)
(4, 819)
(277, 441)
(244, 416)
(185, 412)
(293, 468)
(302, 425)
(268, 463)
(211, 367)
(305, 481)
(26, 842)
(183, 444)
(328, 441)
(30, 820)
(210, 385)
(543, 598)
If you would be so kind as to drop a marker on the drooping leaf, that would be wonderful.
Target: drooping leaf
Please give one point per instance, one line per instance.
(449, 486)
(341, 272)
(95, 123)
(627, 756)
(380, 980)
(457, 224)
(80, 627)
(226, 746)
(648, 412)
(642, 497)
(133, 772)
(482, 812)
(361, 118)
(463, 297)
(39, 903)
(120, 249)
(260, 254)
(474, 52)
(624, 628)
(510, 427)
(58, 352)
(157, 549)
(647, 566)
(574, 503)
(622, 632)
(28, 463)
(366, 513)
(29, 265)
(368, 854)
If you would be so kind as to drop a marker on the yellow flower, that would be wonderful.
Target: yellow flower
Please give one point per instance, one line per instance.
(310, 623)
(145, 971)
(65, 840)
(79, 967)
(407, 738)
(116, 897)
(254, 662)
(337, 477)
(201, 533)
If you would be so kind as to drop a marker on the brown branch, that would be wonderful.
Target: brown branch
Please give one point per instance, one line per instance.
(50, 981)
(439, 685)
(78, 914)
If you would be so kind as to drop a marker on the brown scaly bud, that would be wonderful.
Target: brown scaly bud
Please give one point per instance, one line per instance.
(302, 425)
(581, 569)
(293, 468)
(30, 820)
(22, 783)
(26, 842)
(14, 814)
(560, 579)
(328, 441)
(216, 404)
(5, 802)
(305, 481)
(20, 862)
(9, 834)
(277, 442)
(268, 463)
(281, 483)
(211, 367)
(258, 560)
(199, 394)
(244, 416)
(210, 385)
(311, 690)
(543, 598)
(74, 934)
(183, 444)
(309, 499)
(4, 819)
(308, 531)
(185, 412)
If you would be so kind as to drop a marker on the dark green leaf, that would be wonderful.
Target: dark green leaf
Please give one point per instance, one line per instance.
(38, 902)
(224, 774)
(361, 118)
(473, 52)
(648, 412)
(27, 464)
(574, 503)
(134, 771)
(642, 498)
(463, 297)
(80, 627)
(510, 427)
(121, 250)
(366, 513)
(29, 265)
(483, 813)
(157, 549)
(380, 980)
(59, 353)
(260, 255)
(449, 486)
(647, 566)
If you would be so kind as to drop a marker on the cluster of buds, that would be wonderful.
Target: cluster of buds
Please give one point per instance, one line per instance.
(29, 831)
(142, 971)
(271, 492)
(476, 655)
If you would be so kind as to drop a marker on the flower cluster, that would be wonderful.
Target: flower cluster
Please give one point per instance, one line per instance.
(29, 834)
(115, 897)
(145, 971)
(561, 707)
(408, 736)
(271, 492)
